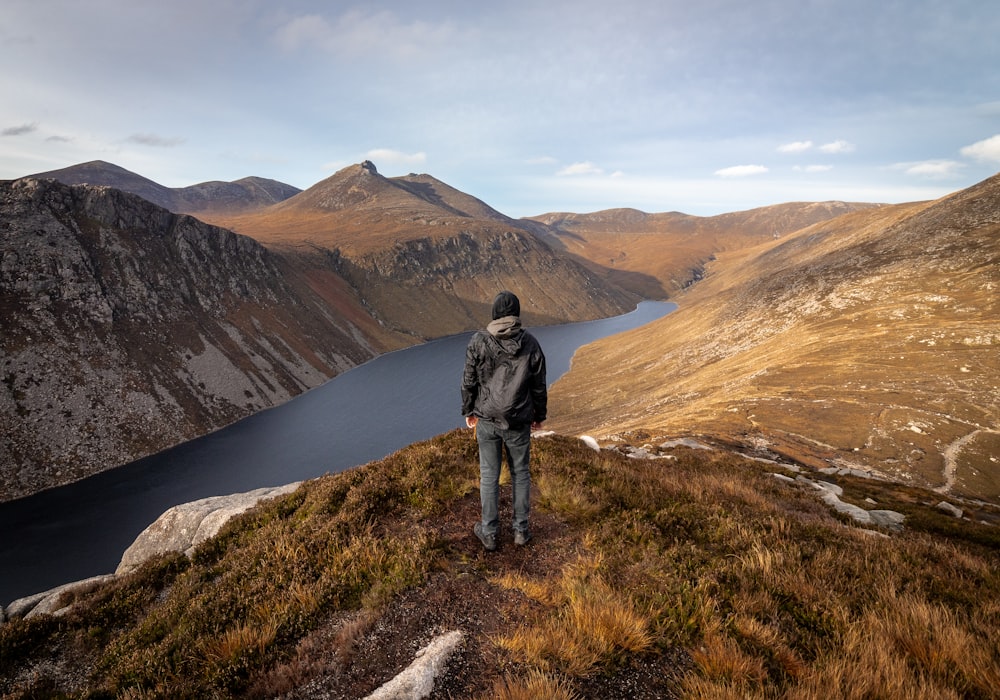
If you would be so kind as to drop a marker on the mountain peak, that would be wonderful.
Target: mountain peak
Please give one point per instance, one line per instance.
(241, 195)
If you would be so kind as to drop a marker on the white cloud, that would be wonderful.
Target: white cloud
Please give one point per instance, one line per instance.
(985, 150)
(302, 31)
(392, 157)
(542, 160)
(812, 168)
(795, 147)
(839, 146)
(367, 36)
(932, 169)
(741, 171)
(584, 168)
(618, 173)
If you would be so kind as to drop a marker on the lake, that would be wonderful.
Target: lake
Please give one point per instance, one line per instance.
(80, 530)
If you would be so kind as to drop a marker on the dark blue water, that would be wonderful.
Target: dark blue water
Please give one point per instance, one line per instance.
(82, 529)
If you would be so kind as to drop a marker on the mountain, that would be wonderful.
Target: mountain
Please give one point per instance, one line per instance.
(868, 341)
(128, 328)
(426, 258)
(99, 172)
(657, 255)
(241, 195)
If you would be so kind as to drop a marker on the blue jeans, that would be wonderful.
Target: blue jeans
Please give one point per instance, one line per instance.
(492, 439)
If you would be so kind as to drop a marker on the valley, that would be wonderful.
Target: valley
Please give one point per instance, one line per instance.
(868, 341)
(852, 334)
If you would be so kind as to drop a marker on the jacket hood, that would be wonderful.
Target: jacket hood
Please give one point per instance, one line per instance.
(507, 332)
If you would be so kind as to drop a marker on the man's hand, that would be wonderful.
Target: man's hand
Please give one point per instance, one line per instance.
(470, 421)
(536, 425)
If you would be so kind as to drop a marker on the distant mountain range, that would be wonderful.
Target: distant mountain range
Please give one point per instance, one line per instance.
(120, 310)
(247, 193)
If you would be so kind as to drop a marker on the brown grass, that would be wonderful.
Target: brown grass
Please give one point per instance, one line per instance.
(700, 576)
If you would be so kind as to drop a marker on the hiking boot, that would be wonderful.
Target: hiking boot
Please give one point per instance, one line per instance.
(489, 541)
(521, 537)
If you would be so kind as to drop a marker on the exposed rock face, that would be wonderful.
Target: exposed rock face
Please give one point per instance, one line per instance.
(127, 329)
(439, 286)
(184, 527)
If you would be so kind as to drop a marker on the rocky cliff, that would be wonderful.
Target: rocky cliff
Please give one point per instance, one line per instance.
(127, 328)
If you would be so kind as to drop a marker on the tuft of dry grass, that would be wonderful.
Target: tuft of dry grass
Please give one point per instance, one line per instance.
(532, 686)
(590, 623)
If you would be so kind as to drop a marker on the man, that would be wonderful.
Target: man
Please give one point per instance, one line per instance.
(503, 397)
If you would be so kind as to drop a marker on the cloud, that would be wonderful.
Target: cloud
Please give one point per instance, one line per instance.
(303, 31)
(542, 160)
(812, 168)
(19, 130)
(393, 157)
(987, 150)
(741, 171)
(155, 140)
(367, 35)
(584, 168)
(839, 146)
(795, 147)
(931, 169)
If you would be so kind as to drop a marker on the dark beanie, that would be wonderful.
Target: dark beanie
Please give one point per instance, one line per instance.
(506, 304)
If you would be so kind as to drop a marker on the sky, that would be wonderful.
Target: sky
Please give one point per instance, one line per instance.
(704, 107)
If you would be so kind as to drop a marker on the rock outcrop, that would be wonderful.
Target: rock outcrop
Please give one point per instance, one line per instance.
(179, 529)
(185, 526)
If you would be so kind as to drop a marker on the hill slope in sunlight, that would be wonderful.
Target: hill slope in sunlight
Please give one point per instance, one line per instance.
(657, 255)
(869, 341)
(427, 258)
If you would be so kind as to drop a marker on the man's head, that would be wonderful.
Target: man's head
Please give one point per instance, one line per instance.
(506, 304)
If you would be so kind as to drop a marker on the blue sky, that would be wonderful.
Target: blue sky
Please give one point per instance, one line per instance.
(557, 105)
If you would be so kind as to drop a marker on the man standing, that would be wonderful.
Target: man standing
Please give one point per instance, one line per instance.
(503, 397)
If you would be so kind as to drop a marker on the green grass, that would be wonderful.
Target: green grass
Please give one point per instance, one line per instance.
(705, 558)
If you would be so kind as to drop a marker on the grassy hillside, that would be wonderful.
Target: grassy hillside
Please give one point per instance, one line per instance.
(697, 574)
(868, 341)
(658, 255)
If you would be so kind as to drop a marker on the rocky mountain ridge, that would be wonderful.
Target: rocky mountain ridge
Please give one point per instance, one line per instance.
(128, 328)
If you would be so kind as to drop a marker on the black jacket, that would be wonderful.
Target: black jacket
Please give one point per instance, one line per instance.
(504, 377)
